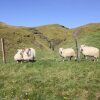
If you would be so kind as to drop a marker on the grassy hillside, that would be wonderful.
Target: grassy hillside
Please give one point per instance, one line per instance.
(38, 37)
(49, 78)
(42, 36)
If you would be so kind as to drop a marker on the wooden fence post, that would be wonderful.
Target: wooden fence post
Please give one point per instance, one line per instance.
(76, 42)
(77, 50)
(3, 50)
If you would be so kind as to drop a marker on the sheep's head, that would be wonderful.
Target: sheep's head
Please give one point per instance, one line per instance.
(60, 50)
(20, 51)
(82, 46)
(27, 51)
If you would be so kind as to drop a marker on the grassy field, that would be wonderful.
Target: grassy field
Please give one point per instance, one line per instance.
(49, 78)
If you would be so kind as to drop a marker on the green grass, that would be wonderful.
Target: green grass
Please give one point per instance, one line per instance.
(49, 78)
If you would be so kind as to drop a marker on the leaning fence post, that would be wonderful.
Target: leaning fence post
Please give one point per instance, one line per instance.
(3, 50)
(76, 42)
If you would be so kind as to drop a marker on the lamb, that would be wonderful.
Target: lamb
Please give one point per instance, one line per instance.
(89, 51)
(67, 53)
(19, 55)
(29, 54)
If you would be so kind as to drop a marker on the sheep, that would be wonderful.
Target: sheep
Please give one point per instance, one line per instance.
(89, 51)
(19, 55)
(67, 53)
(29, 54)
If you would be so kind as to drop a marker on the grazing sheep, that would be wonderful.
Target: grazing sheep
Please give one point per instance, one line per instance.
(89, 51)
(67, 53)
(19, 55)
(29, 54)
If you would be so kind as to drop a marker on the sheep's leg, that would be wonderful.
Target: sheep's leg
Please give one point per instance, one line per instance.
(70, 57)
(75, 58)
(93, 59)
(85, 57)
(17, 61)
(96, 58)
(63, 59)
(67, 58)
(21, 62)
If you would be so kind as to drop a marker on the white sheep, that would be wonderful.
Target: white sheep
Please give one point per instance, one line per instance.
(67, 53)
(29, 54)
(89, 51)
(19, 55)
